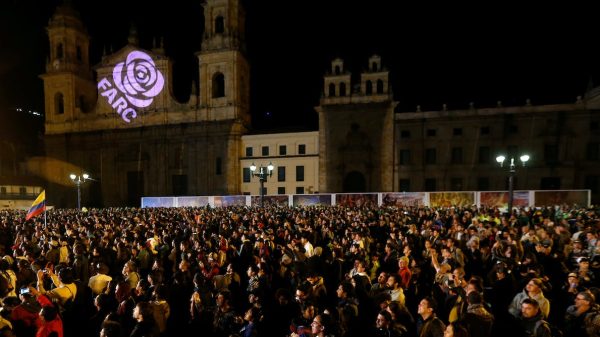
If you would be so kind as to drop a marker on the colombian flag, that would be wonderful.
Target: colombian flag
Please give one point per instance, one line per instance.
(38, 206)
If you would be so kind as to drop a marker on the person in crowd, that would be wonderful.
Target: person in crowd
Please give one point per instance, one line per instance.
(145, 325)
(579, 316)
(456, 330)
(384, 326)
(532, 290)
(99, 282)
(531, 320)
(429, 325)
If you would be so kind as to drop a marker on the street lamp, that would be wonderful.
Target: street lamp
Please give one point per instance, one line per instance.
(262, 174)
(512, 170)
(78, 180)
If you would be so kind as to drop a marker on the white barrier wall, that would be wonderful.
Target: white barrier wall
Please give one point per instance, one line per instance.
(534, 198)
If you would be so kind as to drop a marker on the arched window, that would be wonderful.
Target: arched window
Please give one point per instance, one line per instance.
(331, 90)
(79, 55)
(59, 103)
(342, 89)
(219, 25)
(218, 85)
(374, 66)
(337, 70)
(379, 86)
(59, 51)
(369, 88)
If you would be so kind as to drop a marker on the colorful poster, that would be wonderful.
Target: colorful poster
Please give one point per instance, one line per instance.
(192, 201)
(449, 199)
(500, 199)
(229, 200)
(149, 202)
(553, 198)
(356, 200)
(271, 200)
(312, 199)
(410, 199)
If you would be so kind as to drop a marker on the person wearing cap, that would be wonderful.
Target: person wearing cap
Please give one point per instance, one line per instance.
(533, 290)
(586, 275)
(576, 314)
(577, 252)
(573, 286)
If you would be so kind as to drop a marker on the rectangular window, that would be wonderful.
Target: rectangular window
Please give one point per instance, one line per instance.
(299, 173)
(593, 151)
(299, 190)
(219, 166)
(280, 173)
(280, 190)
(457, 155)
(484, 155)
(592, 183)
(404, 157)
(430, 185)
(594, 125)
(483, 183)
(456, 184)
(457, 132)
(404, 185)
(246, 174)
(485, 130)
(2, 190)
(551, 153)
(405, 134)
(249, 151)
(179, 184)
(431, 132)
(301, 149)
(430, 156)
(513, 129)
(282, 150)
(550, 183)
(22, 190)
(265, 150)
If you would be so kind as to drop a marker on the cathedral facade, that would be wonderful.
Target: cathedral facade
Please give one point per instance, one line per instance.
(127, 130)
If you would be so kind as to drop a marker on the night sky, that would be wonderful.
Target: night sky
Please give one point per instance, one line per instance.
(436, 55)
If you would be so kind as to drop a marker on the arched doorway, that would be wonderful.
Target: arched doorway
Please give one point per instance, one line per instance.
(355, 182)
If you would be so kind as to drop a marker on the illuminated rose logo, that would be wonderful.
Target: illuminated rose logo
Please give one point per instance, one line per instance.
(138, 79)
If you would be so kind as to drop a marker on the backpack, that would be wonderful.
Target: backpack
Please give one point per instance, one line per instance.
(592, 323)
(554, 331)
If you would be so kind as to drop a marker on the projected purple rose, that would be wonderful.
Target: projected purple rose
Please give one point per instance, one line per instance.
(138, 81)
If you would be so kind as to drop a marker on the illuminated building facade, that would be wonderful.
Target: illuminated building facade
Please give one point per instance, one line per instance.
(126, 130)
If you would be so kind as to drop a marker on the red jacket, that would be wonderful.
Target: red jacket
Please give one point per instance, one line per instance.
(46, 328)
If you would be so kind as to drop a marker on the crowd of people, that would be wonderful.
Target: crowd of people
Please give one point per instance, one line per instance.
(301, 271)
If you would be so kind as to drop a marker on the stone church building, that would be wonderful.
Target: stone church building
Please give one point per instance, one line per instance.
(125, 126)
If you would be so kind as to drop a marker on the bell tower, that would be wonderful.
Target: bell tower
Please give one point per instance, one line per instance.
(68, 86)
(224, 70)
